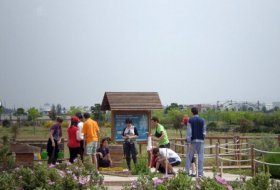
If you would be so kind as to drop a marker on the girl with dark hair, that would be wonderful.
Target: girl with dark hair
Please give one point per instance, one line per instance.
(129, 135)
(103, 154)
(73, 136)
(54, 141)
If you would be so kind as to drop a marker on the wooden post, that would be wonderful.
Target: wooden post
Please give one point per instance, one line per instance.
(211, 152)
(253, 167)
(278, 140)
(217, 156)
(226, 145)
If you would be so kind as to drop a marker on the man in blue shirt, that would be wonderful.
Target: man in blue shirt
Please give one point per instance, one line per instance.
(196, 132)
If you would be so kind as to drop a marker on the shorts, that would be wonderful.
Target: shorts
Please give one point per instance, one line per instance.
(91, 148)
(173, 162)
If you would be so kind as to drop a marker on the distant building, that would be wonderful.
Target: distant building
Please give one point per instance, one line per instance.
(45, 109)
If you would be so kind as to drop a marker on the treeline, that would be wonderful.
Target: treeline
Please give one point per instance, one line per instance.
(224, 121)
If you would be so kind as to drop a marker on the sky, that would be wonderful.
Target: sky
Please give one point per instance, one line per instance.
(71, 52)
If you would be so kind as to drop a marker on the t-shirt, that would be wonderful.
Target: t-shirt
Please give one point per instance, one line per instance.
(72, 137)
(90, 130)
(81, 134)
(160, 130)
(57, 132)
(104, 151)
(130, 131)
(171, 155)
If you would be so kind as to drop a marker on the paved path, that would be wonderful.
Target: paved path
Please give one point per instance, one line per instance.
(116, 182)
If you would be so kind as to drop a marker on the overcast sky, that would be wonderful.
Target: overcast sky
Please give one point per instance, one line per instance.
(200, 51)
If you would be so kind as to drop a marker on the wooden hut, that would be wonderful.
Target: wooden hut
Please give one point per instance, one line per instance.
(134, 105)
(24, 153)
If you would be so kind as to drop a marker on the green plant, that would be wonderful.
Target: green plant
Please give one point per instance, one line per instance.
(209, 184)
(48, 124)
(6, 123)
(275, 159)
(259, 182)
(7, 181)
(180, 182)
(65, 124)
(141, 167)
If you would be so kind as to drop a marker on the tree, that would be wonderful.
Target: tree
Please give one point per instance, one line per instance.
(172, 106)
(58, 109)
(73, 110)
(33, 114)
(96, 111)
(1, 110)
(20, 112)
(52, 113)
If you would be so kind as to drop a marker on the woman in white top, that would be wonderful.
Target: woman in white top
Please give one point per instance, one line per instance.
(81, 134)
(129, 135)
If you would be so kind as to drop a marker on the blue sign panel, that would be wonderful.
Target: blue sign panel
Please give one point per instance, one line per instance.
(140, 121)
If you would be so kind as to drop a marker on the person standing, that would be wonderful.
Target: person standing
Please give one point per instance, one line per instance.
(54, 141)
(73, 142)
(192, 172)
(129, 135)
(81, 134)
(160, 134)
(91, 134)
(196, 132)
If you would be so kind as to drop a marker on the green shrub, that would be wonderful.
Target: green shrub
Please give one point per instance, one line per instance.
(259, 182)
(48, 124)
(141, 167)
(273, 158)
(7, 181)
(211, 126)
(6, 123)
(65, 124)
(209, 184)
(180, 182)
(107, 125)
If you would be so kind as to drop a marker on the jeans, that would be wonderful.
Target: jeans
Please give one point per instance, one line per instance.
(196, 147)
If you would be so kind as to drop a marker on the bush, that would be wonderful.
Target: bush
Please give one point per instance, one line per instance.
(259, 182)
(181, 181)
(107, 125)
(141, 167)
(208, 183)
(212, 126)
(60, 177)
(48, 124)
(273, 158)
(65, 124)
(6, 123)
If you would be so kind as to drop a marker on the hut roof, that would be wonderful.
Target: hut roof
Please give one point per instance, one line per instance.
(131, 101)
(23, 148)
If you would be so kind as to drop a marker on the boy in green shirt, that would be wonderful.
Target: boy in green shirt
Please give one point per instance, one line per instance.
(160, 134)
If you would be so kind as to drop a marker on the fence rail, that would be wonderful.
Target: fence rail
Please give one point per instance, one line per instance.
(233, 150)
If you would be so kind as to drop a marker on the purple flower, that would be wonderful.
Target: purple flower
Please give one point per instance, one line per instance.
(51, 166)
(51, 182)
(158, 182)
(61, 173)
(220, 180)
(83, 180)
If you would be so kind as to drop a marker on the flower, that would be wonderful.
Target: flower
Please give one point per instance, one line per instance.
(83, 180)
(158, 182)
(220, 180)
